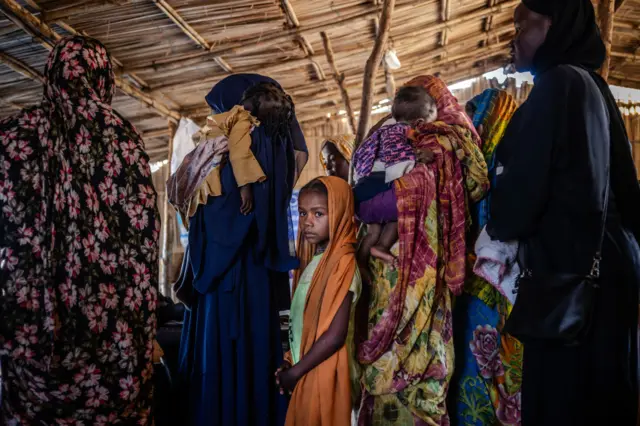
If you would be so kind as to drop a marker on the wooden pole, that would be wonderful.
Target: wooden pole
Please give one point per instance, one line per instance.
(606, 13)
(339, 78)
(371, 69)
(168, 217)
(21, 67)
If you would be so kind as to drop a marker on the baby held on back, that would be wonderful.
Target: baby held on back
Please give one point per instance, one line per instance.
(387, 155)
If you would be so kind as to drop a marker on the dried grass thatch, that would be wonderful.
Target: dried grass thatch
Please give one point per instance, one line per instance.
(170, 52)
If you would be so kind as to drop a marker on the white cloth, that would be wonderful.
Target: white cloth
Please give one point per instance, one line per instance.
(497, 263)
(182, 145)
(183, 142)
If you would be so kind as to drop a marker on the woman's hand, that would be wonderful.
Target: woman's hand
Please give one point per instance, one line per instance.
(424, 155)
(246, 194)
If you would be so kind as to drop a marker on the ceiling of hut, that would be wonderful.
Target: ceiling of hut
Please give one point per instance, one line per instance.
(169, 53)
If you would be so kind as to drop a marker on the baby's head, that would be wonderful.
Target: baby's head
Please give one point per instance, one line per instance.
(269, 104)
(413, 104)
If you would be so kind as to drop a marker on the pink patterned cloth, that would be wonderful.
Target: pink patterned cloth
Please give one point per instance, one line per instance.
(389, 145)
(194, 169)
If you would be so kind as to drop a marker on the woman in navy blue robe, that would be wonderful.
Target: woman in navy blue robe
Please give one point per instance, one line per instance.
(237, 265)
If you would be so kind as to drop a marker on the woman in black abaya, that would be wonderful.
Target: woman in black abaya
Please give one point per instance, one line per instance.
(559, 150)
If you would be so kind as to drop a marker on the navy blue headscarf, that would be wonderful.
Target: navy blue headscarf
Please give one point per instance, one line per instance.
(219, 232)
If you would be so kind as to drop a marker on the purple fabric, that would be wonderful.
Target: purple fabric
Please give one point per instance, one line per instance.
(388, 144)
(380, 209)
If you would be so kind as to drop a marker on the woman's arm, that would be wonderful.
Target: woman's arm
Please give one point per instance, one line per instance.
(328, 344)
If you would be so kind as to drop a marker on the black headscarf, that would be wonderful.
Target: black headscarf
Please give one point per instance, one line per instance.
(574, 37)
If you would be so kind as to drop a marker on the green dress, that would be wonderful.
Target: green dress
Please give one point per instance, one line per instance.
(296, 317)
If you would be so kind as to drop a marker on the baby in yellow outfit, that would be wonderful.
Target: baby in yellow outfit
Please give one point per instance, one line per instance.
(236, 125)
(227, 137)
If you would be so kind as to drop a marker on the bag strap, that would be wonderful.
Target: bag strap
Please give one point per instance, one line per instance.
(595, 266)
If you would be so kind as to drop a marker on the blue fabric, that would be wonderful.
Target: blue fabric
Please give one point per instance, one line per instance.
(370, 186)
(231, 344)
(482, 103)
(470, 401)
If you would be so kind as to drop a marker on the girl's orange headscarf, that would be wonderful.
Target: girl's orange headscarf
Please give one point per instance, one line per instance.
(323, 396)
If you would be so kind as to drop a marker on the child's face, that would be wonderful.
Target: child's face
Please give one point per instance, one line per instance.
(314, 217)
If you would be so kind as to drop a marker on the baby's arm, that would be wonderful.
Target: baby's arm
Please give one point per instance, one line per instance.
(328, 344)
(246, 168)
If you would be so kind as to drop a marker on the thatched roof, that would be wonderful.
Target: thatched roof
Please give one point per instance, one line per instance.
(170, 52)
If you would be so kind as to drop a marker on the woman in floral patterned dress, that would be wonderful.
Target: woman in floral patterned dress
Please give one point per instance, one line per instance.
(485, 389)
(408, 356)
(78, 253)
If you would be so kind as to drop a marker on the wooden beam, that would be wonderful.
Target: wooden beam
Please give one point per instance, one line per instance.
(46, 36)
(290, 13)
(466, 44)
(172, 14)
(606, 13)
(84, 7)
(147, 99)
(371, 69)
(619, 4)
(631, 57)
(21, 67)
(624, 81)
(445, 12)
(223, 64)
(157, 133)
(40, 31)
(285, 36)
(339, 78)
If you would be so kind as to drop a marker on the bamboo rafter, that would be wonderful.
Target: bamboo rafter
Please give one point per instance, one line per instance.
(46, 36)
(238, 48)
(339, 78)
(261, 36)
(445, 12)
(465, 44)
(20, 67)
(190, 32)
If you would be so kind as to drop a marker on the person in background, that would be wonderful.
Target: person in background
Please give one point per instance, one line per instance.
(485, 388)
(335, 156)
(408, 354)
(560, 151)
(321, 369)
(78, 252)
(238, 273)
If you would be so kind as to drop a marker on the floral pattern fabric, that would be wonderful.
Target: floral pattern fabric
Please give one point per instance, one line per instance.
(408, 356)
(486, 389)
(78, 266)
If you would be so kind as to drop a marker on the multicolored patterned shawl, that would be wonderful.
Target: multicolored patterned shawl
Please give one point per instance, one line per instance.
(493, 111)
(408, 356)
(489, 363)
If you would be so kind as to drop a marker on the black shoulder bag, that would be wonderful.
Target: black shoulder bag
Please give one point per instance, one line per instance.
(557, 308)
